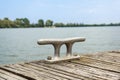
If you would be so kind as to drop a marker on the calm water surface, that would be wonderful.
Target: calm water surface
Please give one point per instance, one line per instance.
(18, 45)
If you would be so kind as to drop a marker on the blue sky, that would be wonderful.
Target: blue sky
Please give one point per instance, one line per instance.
(81, 11)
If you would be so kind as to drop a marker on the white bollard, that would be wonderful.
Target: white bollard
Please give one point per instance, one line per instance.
(57, 43)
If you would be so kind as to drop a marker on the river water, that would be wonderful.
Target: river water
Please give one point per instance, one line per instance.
(20, 44)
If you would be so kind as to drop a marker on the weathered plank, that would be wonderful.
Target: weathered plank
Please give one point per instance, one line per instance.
(28, 73)
(12, 75)
(59, 72)
(106, 56)
(53, 73)
(2, 78)
(42, 73)
(99, 64)
(118, 51)
(17, 72)
(7, 77)
(73, 71)
(93, 71)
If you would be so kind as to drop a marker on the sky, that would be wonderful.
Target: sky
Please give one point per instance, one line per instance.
(66, 11)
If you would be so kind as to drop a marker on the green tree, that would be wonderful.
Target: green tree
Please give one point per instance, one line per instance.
(18, 22)
(59, 25)
(6, 18)
(22, 22)
(49, 23)
(6, 23)
(1, 23)
(40, 23)
(25, 22)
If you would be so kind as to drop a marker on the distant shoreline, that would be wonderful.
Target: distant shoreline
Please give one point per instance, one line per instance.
(59, 27)
(25, 23)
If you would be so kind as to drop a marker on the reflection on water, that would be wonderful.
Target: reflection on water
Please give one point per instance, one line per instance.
(19, 45)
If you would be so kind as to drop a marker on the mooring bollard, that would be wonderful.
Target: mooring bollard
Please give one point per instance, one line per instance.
(57, 43)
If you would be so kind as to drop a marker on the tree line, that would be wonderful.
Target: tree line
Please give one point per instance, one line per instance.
(25, 23)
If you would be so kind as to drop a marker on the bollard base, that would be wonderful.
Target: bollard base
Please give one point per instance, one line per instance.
(59, 59)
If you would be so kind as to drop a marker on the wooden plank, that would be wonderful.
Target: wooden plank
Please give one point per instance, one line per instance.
(7, 77)
(74, 71)
(17, 72)
(92, 70)
(1, 78)
(44, 73)
(111, 57)
(54, 72)
(98, 64)
(114, 55)
(59, 71)
(117, 52)
(12, 75)
(28, 73)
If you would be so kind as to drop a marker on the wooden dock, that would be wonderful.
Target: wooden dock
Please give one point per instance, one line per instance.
(99, 66)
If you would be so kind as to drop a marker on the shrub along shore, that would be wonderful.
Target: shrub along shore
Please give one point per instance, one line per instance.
(25, 23)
